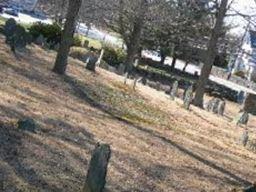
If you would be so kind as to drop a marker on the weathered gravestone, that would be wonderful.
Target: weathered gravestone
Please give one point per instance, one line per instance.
(216, 106)
(96, 176)
(27, 125)
(242, 118)
(250, 103)
(121, 69)
(188, 97)
(91, 62)
(16, 35)
(174, 90)
(221, 108)
(244, 138)
(240, 97)
(40, 40)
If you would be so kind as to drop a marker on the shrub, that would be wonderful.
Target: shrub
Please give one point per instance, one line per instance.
(78, 41)
(16, 35)
(113, 56)
(51, 32)
(241, 74)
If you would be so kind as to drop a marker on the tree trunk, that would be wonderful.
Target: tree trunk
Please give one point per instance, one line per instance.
(67, 37)
(134, 40)
(211, 53)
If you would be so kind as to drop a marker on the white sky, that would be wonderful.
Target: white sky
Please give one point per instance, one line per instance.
(247, 7)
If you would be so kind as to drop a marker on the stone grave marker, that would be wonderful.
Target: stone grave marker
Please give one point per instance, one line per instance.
(174, 90)
(96, 175)
(188, 97)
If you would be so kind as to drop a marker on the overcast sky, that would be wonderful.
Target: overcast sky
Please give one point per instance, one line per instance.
(244, 7)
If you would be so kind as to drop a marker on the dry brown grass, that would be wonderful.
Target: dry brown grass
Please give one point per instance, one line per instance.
(156, 144)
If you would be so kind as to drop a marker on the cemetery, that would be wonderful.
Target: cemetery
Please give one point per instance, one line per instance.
(80, 114)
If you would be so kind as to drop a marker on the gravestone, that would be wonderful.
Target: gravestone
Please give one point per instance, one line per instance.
(144, 80)
(91, 62)
(136, 63)
(244, 138)
(40, 40)
(221, 108)
(241, 97)
(96, 176)
(121, 69)
(100, 58)
(242, 118)
(27, 125)
(174, 90)
(125, 78)
(250, 104)
(158, 86)
(188, 97)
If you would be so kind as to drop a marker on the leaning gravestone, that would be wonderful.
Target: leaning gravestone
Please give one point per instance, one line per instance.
(91, 62)
(174, 90)
(96, 176)
(242, 118)
(188, 96)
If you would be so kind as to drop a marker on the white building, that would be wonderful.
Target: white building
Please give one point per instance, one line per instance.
(28, 5)
(246, 59)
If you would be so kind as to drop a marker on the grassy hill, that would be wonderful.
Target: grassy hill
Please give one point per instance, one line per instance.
(156, 144)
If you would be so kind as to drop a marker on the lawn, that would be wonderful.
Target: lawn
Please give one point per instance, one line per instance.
(157, 145)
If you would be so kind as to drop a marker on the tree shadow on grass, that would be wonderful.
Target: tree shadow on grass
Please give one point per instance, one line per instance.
(11, 155)
(81, 92)
(47, 160)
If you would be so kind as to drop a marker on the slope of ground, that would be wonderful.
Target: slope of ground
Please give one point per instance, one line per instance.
(156, 144)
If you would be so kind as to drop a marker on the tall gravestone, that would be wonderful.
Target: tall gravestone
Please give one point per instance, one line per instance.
(96, 176)
(244, 137)
(242, 118)
(221, 108)
(188, 97)
(126, 77)
(174, 90)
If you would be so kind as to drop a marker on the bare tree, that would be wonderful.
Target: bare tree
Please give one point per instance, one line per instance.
(67, 36)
